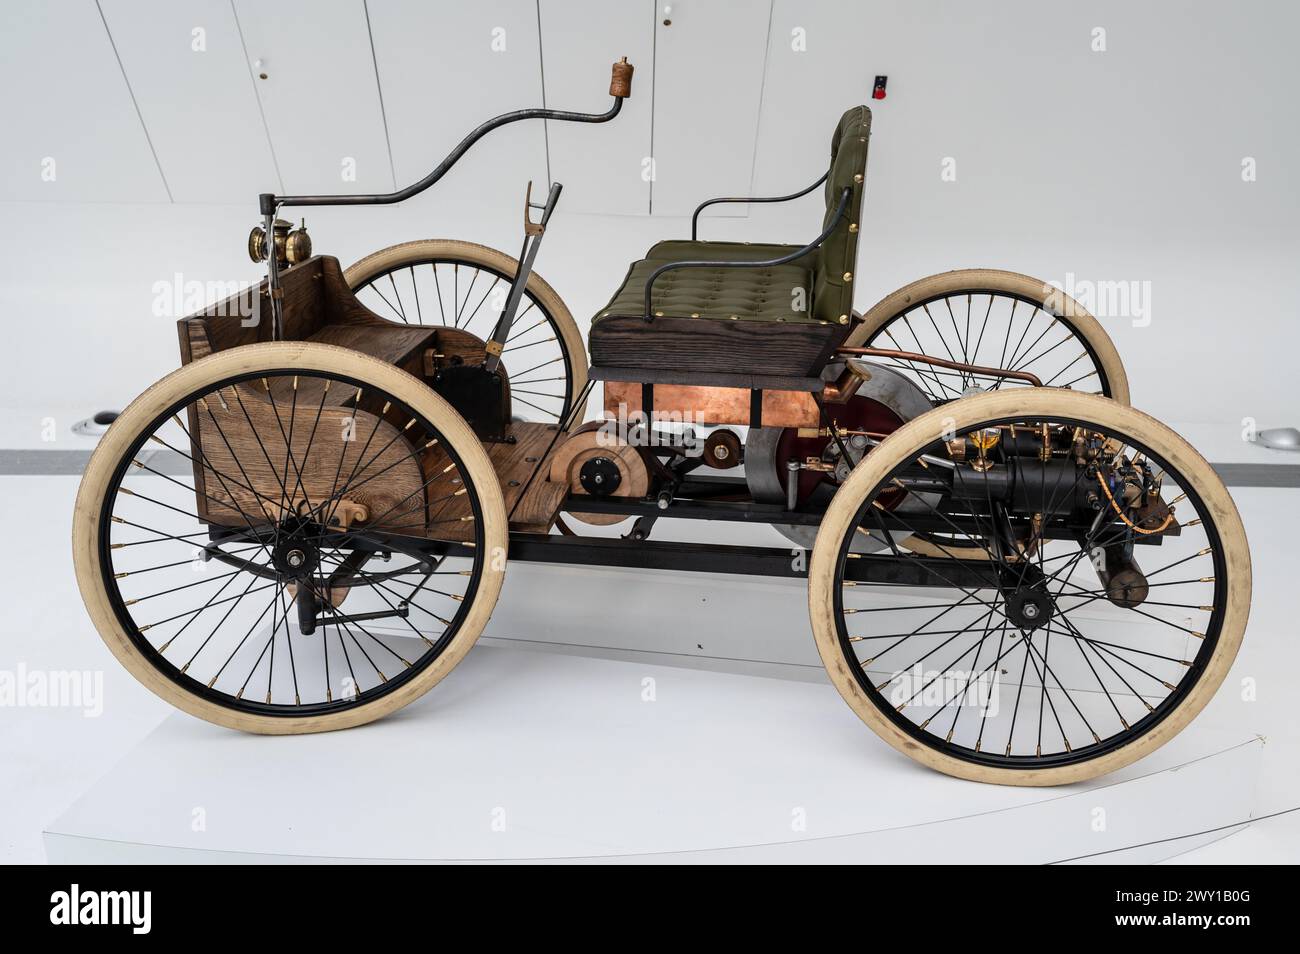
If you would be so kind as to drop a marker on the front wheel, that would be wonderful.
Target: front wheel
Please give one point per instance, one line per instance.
(1109, 604)
(289, 537)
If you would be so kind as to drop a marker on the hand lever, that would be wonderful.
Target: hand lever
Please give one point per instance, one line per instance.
(533, 232)
(537, 228)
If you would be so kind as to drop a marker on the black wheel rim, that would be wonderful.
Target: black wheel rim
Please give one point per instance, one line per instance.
(205, 638)
(450, 292)
(991, 328)
(1111, 674)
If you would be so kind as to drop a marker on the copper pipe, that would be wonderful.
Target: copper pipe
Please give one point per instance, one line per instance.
(1025, 376)
(842, 388)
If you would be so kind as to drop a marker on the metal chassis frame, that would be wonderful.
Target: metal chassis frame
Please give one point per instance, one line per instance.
(632, 552)
(731, 559)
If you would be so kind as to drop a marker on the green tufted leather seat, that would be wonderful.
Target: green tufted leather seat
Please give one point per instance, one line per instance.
(743, 320)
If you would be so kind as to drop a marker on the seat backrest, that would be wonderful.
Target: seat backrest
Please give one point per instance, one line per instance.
(833, 274)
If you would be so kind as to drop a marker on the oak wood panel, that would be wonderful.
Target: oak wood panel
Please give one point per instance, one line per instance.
(540, 505)
(244, 318)
(318, 306)
(699, 344)
(316, 296)
(257, 455)
(514, 463)
(402, 345)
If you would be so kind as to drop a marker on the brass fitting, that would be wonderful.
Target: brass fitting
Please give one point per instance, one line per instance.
(291, 245)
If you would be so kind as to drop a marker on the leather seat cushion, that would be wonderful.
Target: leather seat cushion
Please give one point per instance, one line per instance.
(715, 319)
(715, 294)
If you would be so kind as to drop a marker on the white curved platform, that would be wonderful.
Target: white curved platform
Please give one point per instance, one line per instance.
(530, 756)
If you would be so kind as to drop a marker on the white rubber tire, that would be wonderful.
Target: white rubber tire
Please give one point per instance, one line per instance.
(906, 443)
(192, 378)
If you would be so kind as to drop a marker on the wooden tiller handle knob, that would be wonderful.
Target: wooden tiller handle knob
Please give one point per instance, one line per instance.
(620, 81)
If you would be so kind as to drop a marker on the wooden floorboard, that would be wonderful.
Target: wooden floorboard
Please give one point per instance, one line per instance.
(533, 505)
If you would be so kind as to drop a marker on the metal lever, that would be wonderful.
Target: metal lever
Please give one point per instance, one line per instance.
(533, 232)
(537, 228)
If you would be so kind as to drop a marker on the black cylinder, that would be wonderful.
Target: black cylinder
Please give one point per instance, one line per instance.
(1025, 485)
(1122, 579)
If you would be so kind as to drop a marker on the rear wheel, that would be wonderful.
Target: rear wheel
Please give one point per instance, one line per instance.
(998, 319)
(1057, 657)
(993, 318)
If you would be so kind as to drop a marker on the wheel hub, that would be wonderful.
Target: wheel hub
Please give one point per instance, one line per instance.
(1030, 607)
(600, 477)
(295, 556)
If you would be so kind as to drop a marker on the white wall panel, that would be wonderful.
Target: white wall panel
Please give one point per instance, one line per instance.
(819, 63)
(445, 69)
(708, 88)
(604, 167)
(186, 66)
(320, 96)
(70, 130)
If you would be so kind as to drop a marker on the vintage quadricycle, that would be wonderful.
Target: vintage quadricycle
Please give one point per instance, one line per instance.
(1014, 576)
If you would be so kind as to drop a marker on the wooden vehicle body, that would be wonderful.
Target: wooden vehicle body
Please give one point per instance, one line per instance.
(318, 307)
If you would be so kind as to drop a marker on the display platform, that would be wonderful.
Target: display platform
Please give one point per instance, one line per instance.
(526, 755)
